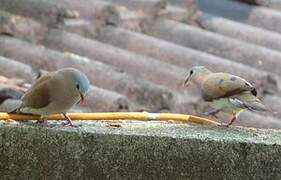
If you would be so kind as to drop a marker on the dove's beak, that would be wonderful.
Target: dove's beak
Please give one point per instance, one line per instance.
(185, 83)
(82, 98)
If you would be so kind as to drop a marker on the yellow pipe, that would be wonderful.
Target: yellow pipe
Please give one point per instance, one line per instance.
(115, 116)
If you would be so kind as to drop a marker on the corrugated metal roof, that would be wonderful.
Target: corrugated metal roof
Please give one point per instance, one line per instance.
(136, 52)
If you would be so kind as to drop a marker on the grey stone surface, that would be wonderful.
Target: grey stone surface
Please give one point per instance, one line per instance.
(137, 150)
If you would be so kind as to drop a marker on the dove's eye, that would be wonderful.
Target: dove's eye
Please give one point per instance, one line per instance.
(191, 72)
(77, 86)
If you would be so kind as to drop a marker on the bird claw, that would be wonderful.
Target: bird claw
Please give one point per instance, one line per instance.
(69, 124)
(42, 122)
(223, 125)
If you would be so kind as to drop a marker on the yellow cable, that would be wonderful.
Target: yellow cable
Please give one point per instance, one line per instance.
(115, 116)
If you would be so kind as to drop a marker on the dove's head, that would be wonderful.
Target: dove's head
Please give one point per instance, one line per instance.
(78, 82)
(196, 75)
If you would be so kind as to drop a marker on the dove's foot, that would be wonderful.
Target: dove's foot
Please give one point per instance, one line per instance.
(42, 121)
(223, 125)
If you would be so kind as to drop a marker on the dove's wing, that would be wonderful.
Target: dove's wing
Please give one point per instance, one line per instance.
(38, 95)
(218, 85)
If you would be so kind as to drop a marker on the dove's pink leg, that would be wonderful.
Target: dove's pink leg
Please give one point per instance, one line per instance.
(227, 125)
(68, 119)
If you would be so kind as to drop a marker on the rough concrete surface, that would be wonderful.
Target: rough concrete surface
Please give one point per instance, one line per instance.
(137, 150)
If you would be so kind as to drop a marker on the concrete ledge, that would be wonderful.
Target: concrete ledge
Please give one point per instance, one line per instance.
(138, 150)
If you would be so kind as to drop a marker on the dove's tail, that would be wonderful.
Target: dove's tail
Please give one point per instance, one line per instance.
(257, 105)
(18, 111)
(248, 101)
(14, 111)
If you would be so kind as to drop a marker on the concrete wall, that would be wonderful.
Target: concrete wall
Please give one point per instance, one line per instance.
(137, 150)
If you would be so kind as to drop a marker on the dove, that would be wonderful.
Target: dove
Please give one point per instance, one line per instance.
(224, 92)
(55, 93)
